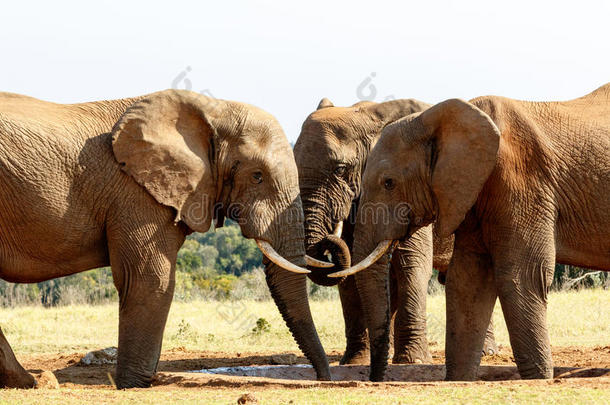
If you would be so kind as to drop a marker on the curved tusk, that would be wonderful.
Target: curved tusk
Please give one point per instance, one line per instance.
(275, 257)
(313, 262)
(372, 258)
(338, 229)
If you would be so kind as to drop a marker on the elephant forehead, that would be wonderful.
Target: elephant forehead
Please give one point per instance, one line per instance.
(330, 114)
(273, 156)
(328, 142)
(391, 144)
(377, 168)
(338, 122)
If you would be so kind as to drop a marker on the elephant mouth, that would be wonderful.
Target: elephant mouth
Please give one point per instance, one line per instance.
(333, 249)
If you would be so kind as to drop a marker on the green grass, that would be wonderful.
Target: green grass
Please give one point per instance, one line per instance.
(478, 394)
(574, 319)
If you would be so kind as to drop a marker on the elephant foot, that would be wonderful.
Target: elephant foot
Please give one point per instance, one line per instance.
(355, 356)
(17, 379)
(411, 347)
(535, 371)
(412, 357)
(12, 374)
(324, 377)
(490, 347)
(124, 383)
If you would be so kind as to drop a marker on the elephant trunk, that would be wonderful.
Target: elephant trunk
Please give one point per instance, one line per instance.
(317, 219)
(335, 250)
(289, 291)
(373, 287)
(320, 242)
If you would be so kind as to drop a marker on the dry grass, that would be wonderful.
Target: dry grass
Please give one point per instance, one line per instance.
(419, 395)
(574, 319)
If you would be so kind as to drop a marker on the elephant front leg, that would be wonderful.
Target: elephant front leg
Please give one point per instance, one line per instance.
(143, 269)
(374, 290)
(412, 266)
(470, 294)
(12, 374)
(357, 345)
(142, 317)
(490, 347)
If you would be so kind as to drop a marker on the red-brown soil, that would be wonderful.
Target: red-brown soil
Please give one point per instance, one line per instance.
(588, 366)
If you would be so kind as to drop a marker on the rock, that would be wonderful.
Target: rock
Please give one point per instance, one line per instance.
(247, 399)
(46, 380)
(289, 359)
(97, 357)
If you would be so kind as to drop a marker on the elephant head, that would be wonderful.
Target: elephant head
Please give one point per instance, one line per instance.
(207, 158)
(426, 167)
(331, 153)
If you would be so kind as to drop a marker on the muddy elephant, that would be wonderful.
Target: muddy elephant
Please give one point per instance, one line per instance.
(331, 153)
(122, 182)
(522, 185)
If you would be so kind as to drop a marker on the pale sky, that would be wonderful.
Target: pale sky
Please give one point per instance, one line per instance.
(285, 56)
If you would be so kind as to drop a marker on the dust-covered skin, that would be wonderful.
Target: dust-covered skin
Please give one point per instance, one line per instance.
(122, 183)
(522, 185)
(331, 153)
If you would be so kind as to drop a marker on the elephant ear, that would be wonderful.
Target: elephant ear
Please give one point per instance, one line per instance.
(165, 142)
(464, 142)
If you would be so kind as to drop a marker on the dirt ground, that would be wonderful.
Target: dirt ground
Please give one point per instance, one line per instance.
(71, 374)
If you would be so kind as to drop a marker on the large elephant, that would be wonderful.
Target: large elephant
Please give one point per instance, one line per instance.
(522, 184)
(122, 182)
(331, 153)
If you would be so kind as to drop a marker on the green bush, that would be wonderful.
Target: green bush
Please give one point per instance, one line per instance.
(218, 265)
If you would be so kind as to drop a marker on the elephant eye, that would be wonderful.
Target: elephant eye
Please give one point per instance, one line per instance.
(388, 184)
(340, 170)
(257, 177)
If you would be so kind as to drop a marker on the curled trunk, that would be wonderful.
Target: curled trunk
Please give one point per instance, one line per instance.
(340, 256)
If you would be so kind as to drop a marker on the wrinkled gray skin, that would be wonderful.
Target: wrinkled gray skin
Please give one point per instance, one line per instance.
(522, 185)
(331, 152)
(68, 205)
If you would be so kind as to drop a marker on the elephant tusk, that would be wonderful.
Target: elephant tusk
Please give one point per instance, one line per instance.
(338, 229)
(372, 258)
(313, 262)
(274, 256)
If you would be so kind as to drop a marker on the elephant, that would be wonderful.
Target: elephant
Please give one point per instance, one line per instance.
(330, 153)
(122, 183)
(521, 185)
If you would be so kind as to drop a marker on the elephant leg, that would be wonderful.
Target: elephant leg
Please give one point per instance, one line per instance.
(143, 267)
(470, 293)
(373, 287)
(357, 347)
(522, 281)
(412, 266)
(12, 374)
(490, 347)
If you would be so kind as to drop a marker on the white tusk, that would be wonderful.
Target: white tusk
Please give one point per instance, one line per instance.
(338, 229)
(372, 258)
(274, 256)
(313, 262)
